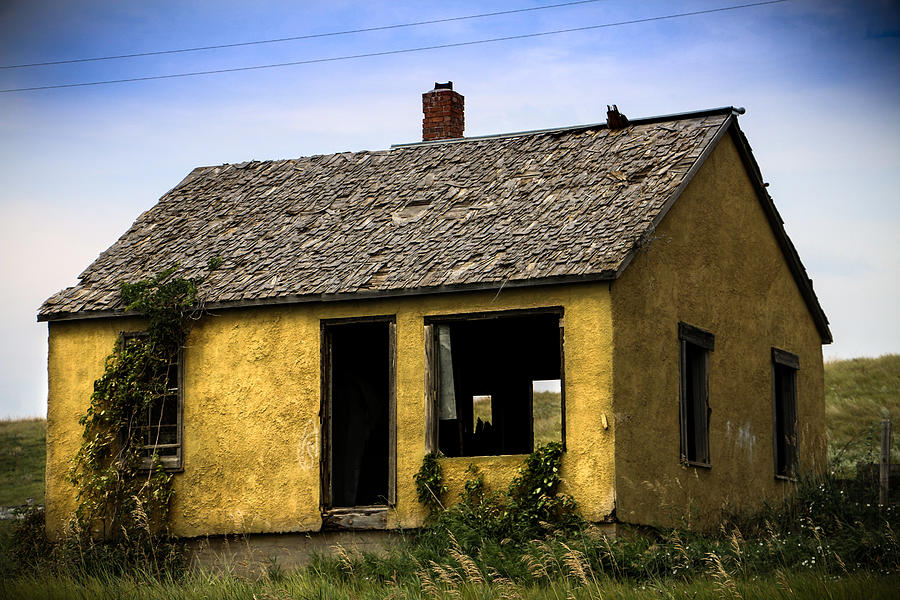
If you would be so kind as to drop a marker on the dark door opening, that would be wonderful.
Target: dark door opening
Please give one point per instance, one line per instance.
(359, 411)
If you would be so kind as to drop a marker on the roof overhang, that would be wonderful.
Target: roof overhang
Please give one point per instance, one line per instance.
(804, 283)
(353, 296)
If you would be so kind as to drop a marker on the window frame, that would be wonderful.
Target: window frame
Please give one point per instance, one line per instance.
(432, 367)
(705, 341)
(170, 463)
(781, 360)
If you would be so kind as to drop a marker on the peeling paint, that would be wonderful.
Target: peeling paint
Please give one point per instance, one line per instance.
(746, 440)
(308, 447)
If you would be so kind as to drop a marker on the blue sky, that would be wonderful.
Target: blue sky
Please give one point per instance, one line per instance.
(820, 81)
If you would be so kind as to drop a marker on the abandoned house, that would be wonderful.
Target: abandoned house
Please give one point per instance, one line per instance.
(625, 288)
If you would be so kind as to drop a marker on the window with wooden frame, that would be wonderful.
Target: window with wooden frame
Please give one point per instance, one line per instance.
(784, 412)
(695, 346)
(160, 426)
(494, 382)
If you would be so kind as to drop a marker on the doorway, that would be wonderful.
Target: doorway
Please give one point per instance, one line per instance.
(358, 413)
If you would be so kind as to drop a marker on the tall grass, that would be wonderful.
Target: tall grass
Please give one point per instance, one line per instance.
(829, 541)
(308, 585)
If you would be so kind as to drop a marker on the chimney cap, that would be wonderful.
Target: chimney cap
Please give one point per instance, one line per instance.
(443, 86)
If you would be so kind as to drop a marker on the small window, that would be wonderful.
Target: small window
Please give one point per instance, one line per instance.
(784, 383)
(696, 345)
(497, 384)
(160, 425)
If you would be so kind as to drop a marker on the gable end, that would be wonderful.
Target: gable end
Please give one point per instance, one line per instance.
(804, 283)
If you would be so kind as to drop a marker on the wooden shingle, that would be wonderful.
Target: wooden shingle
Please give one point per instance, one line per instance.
(475, 213)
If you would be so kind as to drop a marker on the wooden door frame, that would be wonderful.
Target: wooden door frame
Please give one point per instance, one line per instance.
(325, 406)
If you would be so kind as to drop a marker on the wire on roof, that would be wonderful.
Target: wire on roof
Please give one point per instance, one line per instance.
(391, 52)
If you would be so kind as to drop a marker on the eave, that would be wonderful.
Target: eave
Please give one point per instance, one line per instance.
(353, 296)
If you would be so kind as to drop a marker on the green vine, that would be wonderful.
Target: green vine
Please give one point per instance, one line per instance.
(430, 486)
(530, 507)
(534, 498)
(118, 495)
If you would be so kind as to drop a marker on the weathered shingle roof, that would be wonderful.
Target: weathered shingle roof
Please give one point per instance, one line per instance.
(509, 210)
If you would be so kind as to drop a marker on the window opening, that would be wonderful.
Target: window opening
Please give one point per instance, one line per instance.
(784, 375)
(696, 345)
(160, 426)
(488, 368)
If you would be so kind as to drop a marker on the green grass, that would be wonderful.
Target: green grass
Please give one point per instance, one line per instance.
(310, 585)
(859, 393)
(23, 451)
(547, 407)
(547, 417)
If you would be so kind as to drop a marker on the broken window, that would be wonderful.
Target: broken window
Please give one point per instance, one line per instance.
(495, 382)
(784, 379)
(160, 425)
(696, 345)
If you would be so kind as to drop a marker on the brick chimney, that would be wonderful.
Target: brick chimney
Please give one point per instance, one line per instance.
(444, 113)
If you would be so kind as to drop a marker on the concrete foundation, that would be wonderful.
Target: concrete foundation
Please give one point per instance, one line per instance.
(252, 554)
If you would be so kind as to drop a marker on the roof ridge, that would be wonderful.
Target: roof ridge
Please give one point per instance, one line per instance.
(722, 110)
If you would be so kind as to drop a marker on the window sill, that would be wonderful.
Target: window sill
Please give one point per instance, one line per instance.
(699, 465)
(485, 457)
(167, 466)
(357, 517)
(173, 470)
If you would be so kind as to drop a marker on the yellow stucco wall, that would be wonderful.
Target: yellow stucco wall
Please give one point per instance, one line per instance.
(252, 397)
(715, 264)
(76, 356)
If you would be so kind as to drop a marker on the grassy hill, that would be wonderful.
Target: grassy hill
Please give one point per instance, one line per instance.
(857, 393)
(22, 461)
